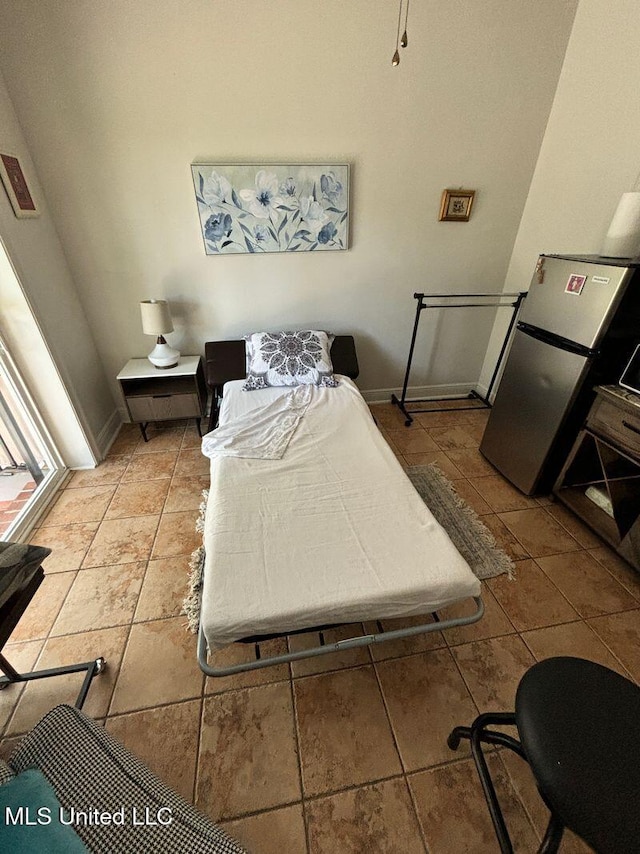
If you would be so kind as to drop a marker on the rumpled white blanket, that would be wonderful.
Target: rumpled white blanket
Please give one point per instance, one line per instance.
(262, 434)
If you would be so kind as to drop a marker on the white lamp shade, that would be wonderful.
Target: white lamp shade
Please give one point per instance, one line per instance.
(623, 237)
(156, 317)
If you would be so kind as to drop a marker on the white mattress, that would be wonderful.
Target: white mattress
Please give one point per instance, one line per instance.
(334, 532)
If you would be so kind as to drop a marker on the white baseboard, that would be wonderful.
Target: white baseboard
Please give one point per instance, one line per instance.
(109, 432)
(433, 392)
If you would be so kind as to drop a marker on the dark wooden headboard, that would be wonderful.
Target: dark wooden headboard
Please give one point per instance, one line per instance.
(225, 360)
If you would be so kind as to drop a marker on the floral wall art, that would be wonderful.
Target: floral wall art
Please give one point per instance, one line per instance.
(247, 208)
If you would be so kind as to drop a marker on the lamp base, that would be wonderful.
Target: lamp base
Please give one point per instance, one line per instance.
(163, 356)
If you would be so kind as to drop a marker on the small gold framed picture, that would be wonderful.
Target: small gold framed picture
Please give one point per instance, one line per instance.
(456, 205)
(16, 186)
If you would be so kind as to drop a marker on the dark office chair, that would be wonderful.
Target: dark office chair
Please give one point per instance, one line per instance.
(579, 729)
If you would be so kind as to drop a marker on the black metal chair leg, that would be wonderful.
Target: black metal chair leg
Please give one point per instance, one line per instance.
(477, 734)
(552, 838)
(489, 791)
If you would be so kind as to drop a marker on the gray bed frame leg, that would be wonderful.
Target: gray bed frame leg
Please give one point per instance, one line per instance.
(348, 643)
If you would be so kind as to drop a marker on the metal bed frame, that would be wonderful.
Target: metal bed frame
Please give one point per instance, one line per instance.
(325, 648)
(224, 361)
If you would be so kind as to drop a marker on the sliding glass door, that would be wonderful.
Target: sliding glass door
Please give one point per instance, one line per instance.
(30, 467)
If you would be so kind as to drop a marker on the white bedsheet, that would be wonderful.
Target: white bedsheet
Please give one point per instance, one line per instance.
(333, 532)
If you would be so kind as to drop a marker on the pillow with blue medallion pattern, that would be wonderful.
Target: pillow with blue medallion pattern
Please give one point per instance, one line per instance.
(289, 359)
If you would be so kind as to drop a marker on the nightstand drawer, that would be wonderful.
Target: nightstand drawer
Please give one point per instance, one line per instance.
(164, 407)
(614, 422)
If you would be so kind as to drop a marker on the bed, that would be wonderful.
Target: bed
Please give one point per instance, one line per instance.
(329, 532)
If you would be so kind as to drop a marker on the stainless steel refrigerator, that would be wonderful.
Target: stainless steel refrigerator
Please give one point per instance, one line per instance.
(577, 329)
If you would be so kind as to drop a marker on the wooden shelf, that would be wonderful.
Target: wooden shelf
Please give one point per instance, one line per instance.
(600, 458)
(594, 516)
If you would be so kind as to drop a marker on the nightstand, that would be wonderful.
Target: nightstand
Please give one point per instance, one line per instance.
(167, 394)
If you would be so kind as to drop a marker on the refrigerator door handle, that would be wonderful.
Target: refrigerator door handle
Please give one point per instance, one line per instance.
(556, 340)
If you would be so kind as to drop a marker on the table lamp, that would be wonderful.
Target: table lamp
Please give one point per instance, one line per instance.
(156, 320)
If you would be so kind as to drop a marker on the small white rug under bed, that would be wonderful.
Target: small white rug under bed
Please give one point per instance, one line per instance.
(332, 532)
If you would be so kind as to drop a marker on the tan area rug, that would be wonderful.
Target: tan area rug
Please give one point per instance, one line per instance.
(474, 541)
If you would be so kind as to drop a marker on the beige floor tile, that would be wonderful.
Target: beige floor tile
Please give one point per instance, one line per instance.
(177, 534)
(492, 670)
(43, 609)
(160, 439)
(500, 495)
(412, 440)
(125, 444)
(100, 598)
(619, 568)
(22, 657)
(332, 660)
(279, 831)
(531, 600)
(578, 530)
(452, 438)
(192, 463)
(159, 666)
(387, 416)
(163, 589)
(586, 584)
(150, 466)
(493, 623)
(470, 462)
(68, 543)
(446, 418)
(85, 504)
(41, 695)
(185, 493)
(191, 438)
(426, 698)
(476, 429)
(621, 633)
(343, 709)
(404, 646)
(472, 497)
(138, 499)
(479, 415)
(122, 541)
(378, 818)
(539, 532)
(576, 639)
(454, 815)
(176, 729)
(238, 653)
(109, 471)
(504, 538)
(248, 759)
(524, 784)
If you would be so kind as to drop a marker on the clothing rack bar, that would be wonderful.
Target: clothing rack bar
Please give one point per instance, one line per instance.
(497, 301)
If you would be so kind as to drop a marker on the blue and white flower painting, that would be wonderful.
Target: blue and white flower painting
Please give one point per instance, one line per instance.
(272, 208)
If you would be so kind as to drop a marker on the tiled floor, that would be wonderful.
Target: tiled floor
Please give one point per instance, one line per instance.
(15, 491)
(348, 755)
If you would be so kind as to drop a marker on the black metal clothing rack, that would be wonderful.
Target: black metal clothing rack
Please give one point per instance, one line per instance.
(516, 301)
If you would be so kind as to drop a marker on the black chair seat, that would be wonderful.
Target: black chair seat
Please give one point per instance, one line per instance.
(579, 725)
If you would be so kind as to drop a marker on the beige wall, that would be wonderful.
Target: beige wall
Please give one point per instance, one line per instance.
(591, 152)
(43, 323)
(116, 100)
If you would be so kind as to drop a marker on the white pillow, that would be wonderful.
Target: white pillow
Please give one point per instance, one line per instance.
(289, 359)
